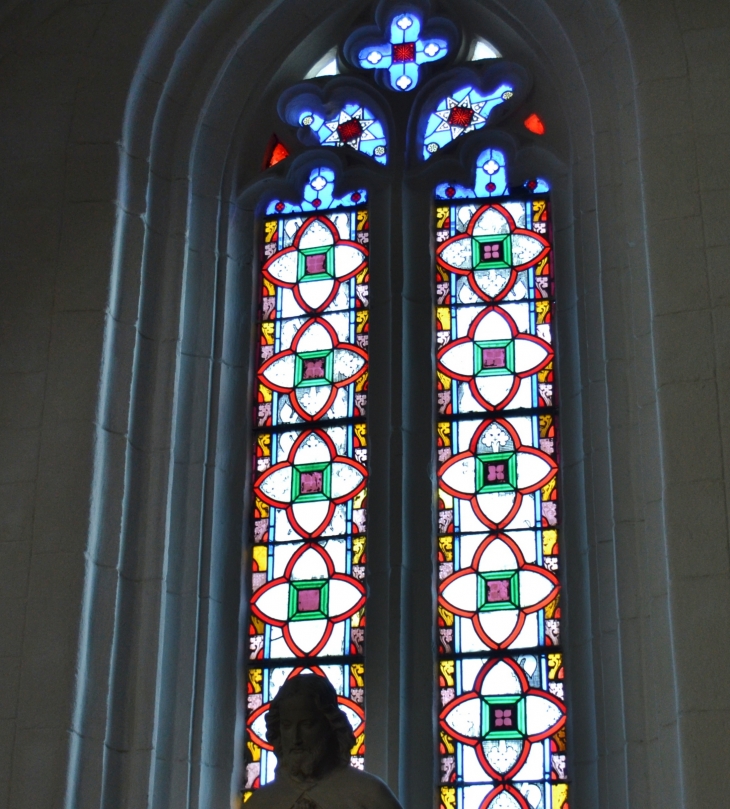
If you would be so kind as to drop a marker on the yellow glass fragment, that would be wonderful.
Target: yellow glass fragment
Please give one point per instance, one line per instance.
(264, 442)
(446, 546)
(551, 607)
(361, 431)
(261, 556)
(560, 795)
(270, 230)
(555, 661)
(448, 742)
(448, 797)
(549, 540)
(443, 313)
(267, 332)
(255, 677)
(448, 670)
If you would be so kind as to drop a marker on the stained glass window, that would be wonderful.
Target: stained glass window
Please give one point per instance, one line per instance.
(460, 112)
(310, 459)
(318, 195)
(502, 738)
(354, 126)
(404, 51)
(491, 179)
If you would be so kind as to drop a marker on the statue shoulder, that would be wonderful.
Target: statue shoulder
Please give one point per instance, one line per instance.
(271, 796)
(344, 788)
(371, 791)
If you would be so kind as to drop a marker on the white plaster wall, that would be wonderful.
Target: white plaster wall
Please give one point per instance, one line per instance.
(660, 580)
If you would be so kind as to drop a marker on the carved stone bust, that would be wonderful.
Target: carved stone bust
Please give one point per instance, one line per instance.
(312, 740)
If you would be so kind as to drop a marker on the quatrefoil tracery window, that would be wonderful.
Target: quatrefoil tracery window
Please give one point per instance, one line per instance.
(501, 733)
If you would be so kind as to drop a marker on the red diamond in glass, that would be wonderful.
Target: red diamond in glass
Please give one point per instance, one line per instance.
(491, 187)
(461, 116)
(308, 600)
(493, 357)
(279, 207)
(405, 52)
(497, 590)
(450, 191)
(315, 263)
(313, 369)
(316, 203)
(349, 130)
(355, 197)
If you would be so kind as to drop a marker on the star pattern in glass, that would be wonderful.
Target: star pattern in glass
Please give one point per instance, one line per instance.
(459, 113)
(354, 126)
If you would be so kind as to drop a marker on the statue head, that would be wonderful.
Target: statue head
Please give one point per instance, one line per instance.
(307, 728)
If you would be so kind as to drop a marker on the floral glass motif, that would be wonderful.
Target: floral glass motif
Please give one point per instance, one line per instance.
(307, 608)
(465, 110)
(502, 741)
(403, 53)
(354, 126)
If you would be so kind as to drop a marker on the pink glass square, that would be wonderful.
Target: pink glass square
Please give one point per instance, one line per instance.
(495, 472)
(313, 369)
(314, 263)
(491, 251)
(497, 590)
(308, 600)
(311, 483)
(494, 357)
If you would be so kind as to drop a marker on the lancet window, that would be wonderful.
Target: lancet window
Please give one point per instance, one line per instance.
(501, 673)
(499, 700)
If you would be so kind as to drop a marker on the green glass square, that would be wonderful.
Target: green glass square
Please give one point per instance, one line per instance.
(500, 243)
(300, 367)
(296, 613)
(496, 472)
(328, 264)
(484, 590)
(507, 346)
(311, 482)
(491, 730)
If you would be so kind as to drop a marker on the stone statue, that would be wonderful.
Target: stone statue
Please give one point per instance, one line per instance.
(312, 740)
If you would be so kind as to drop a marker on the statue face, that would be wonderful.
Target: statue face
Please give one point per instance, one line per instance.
(305, 735)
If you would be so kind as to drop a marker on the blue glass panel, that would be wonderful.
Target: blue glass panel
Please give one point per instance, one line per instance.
(490, 181)
(537, 186)
(354, 126)
(318, 195)
(404, 51)
(464, 111)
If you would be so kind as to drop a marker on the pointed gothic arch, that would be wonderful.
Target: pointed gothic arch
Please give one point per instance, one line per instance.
(155, 702)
